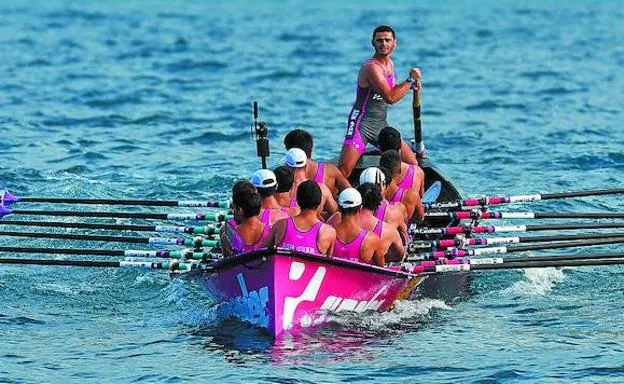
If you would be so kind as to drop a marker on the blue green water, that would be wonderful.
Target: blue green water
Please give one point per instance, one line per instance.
(152, 99)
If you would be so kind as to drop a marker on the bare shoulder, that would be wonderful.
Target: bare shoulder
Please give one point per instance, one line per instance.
(328, 230)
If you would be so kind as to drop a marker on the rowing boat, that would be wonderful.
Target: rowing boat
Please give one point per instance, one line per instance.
(285, 291)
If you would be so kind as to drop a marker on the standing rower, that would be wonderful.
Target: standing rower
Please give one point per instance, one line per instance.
(325, 173)
(376, 89)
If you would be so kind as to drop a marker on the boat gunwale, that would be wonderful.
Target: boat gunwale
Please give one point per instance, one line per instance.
(242, 259)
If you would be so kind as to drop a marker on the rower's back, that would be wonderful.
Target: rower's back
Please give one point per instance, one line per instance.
(352, 241)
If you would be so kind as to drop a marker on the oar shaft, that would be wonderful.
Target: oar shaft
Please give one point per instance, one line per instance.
(472, 229)
(8, 198)
(218, 216)
(199, 230)
(162, 253)
(476, 215)
(198, 242)
(498, 200)
(174, 265)
(484, 241)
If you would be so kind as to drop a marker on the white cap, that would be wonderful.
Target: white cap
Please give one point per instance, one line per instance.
(263, 178)
(295, 158)
(350, 198)
(372, 175)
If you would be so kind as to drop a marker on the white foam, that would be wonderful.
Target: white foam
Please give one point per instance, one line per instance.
(539, 282)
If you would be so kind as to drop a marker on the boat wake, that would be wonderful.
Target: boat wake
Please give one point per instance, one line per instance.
(539, 282)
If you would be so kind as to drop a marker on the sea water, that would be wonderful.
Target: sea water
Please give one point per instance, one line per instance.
(142, 99)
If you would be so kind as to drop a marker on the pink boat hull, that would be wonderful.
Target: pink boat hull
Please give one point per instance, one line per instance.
(288, 292)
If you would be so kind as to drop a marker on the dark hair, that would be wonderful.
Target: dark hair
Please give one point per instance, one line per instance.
(284, 177)
(371, 195)
(249, 201)
(389, 138)
(349, 211)
(384, 28)
(298, 138)
(266, 192)
(391, 160)
(240, 187)
(308, 195)
(387, 175)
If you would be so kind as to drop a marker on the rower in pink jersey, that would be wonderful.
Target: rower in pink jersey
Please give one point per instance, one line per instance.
(354, 242)
(376, 89)
(391, 244)
(304, 232)
(394, 214)
(266, 183)
(325, 173)
(296, 159)
(412, 176)
(408, 197)
(285, 178)
(247, 232)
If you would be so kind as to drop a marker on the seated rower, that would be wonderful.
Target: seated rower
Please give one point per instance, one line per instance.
(250, 233)
(391, 243)
(266, 183)
(352, 241)
(296, 159)
(412, 176)
(394, 214)
(284, 178)
(408, 197)
(325, 173)
(304, 232)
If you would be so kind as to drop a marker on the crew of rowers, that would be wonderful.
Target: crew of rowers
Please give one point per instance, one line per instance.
(310, 207)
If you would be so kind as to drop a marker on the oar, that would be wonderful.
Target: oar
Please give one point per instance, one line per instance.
(497, 200)
(173, 265)
(457, 252)
(421, 151)
(8, 198)
(217, 216)
(485, 241)
(197, 242)
(200, 230)
(162, 253)
(477, 214)
(509, 263)
(472, 229)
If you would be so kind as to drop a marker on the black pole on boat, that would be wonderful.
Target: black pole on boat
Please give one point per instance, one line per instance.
(419, 144)
(259, 133)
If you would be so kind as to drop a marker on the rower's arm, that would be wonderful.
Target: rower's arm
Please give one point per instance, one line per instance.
(375, 77)
(330, 204)
(340, 180)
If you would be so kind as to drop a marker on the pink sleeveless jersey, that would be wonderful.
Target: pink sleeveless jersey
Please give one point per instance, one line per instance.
(301, 241)
(378, 228)
(238, 245)
(320, 173)
(266, 216)
(408, 179)
(350, 251)
(398, 195)
(380, 212)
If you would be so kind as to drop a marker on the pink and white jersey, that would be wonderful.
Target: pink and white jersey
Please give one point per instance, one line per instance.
(300, 241)
(351, 250)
